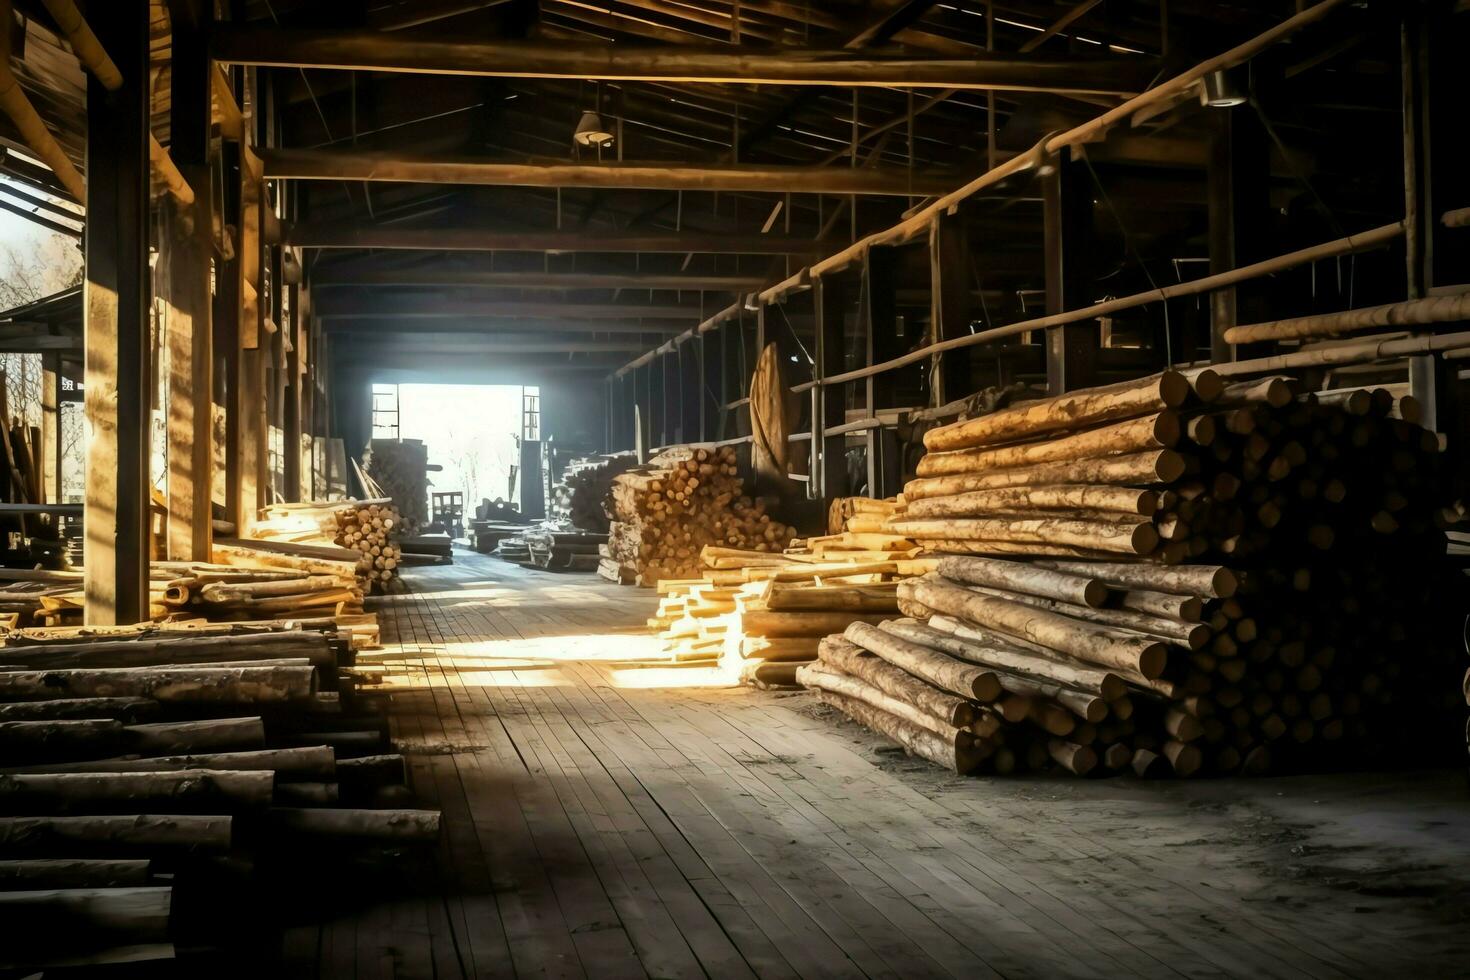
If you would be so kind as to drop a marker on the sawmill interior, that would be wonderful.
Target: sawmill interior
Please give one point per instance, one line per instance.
(734, 488)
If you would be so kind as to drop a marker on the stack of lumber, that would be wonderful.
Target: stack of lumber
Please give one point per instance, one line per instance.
(370, 528)
(486, 534)
(131, 759)
(426, 549)
(685, 498)
(1310, 638)
(577, 499)
(400, 467)
(563, 549)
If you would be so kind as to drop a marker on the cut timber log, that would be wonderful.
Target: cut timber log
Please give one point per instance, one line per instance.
(939, 669)
(184, 791)
(1159, 431)
(125, 710)
(944, 633)
(849, 658)
(1027, 578)
(100, 926)
(395, 826)
(311, 763)
(959, 755)
(1192, 636)
(823, 678)
(879, 599)
(1130, 537)
(60, 739)
(1213, 581)
(39, 873)
(114, 835)
(1156, 466)
(234, 685)
(759, 622)
(1024, 499)
(180, 737)
(1100, 646)
(779, 648)
(372, 770)
(1071, 411)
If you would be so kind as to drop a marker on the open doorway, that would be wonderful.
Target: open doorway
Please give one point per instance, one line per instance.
(472, 432)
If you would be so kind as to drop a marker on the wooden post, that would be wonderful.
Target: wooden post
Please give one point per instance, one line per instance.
(690, 381)
(1239, 171)
(883, 343)
(190, 331)
(50, 461)
(950, 306)
(116, 325)
(1071, 350)
(711, 392)
(829, 461)
(228, 311)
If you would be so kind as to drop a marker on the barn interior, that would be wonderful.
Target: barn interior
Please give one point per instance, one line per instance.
(677, 488)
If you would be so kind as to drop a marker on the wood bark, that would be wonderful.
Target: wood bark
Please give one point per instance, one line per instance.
(313, 762)
(1192, 636)
(114, 835)
(125, 710)
(1026, 499)
(1154, 466)
(1024, 577)
(102, 925)
(792, 624)
(849, 658)
(1212, 581)
(939, 669)
(182, 737)
(40, 873)
(1123, 537)
(235, 685)
(960, 755)
(182, 791)
(823, 678)
(400, 826)
(1159, 431)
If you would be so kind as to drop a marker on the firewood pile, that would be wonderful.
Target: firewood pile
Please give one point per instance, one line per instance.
(577, 499)
(399, 468)
(1312, 636)
(371, 529)
(663, 513)
(134, 758)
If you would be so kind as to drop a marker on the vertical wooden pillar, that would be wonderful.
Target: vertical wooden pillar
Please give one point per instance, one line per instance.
(711, 390)
(1238, 178)
(116, 323)
(1071, 350)
(829, 453)
(690, 381)
(291, 421)
(228, 312)
(190, 330)
(882, 343)
(50, 461)
(950, 305)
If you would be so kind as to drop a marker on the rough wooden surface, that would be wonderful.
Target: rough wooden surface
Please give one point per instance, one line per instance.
(603, 819)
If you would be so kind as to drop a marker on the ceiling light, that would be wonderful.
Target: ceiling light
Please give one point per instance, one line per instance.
(591, 132)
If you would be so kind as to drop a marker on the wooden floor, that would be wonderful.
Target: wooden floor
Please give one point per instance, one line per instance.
(610, 820)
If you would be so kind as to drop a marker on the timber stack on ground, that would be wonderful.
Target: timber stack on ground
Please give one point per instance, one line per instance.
(663, 513)
(1311, 638)
(399, 469)
(135, 758)
(373, 529)
(577, 500)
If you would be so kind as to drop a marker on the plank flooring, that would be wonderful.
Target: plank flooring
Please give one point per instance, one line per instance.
(609, 819)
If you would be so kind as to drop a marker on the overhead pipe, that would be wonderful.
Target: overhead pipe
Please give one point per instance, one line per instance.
(94, 57)
(16, 104)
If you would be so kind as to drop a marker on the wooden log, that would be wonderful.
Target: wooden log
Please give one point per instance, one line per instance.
(1075, 410)
(313, 762)
(960, 755)
(235, 685)
(851, 598)
(115, 835)
(819, 677)
(125, 710)
(1192, 636)
(1025, 499)
(1155, 466)
(1149, 765)
(372, 770)
(944, 633)
(74, 738)
(763, 672)
(789, 624)
(386, 826)
(1077, 759)
(1432, 309)
(851, 659)
(40, 873)
(1103, 647)
(1023, 577)
(939, 669)
(1212, 581)
(100, 926)
(181, 791)
(1186, 608)
(307, 794)
(182, 737)
(1130, 537)
(1160, 431)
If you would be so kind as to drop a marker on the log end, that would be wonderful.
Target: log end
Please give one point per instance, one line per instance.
(985, 687)
(1095, 594)
(1144, 539)
(1170, 466)
(1167, 429)
(1174, 387)
(1208, 386)
(1224, 583)
(1153, 660)
(1198, 636)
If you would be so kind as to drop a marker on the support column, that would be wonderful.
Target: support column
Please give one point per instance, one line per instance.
(190, 331)
(1071, 350)
(1239, 205)
(228, 312)
(883, 343)
(711, 391)
(829, 453)
(50, 461)
(116, 324)
(950, 304)
(689, 394)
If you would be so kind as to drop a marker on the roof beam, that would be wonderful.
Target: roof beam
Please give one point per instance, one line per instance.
(775, 178)
(510, 325)
(369, 51)
(351, 235)
(441, 276)
(380, 306)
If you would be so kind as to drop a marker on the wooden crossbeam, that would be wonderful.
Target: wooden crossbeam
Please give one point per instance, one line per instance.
(370, 51)
(441, 276)
(487, 324)
(307, 164)
(436, 306)
(352, 235)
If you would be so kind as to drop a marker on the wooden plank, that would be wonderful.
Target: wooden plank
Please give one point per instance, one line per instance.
(116, 294)
(306, 234)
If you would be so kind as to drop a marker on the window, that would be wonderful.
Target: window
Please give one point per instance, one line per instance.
(385, 411)
(531, 414)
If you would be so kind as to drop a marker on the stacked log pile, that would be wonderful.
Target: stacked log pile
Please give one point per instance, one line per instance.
(370, 528)
(562, 549)
(665, 512)
(400, 468)
(130, 757)
(577, 499)
(1313, 637)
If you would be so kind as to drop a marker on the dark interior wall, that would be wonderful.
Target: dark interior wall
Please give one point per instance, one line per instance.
(572, 412)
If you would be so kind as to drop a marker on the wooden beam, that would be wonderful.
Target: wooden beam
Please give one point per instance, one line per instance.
(1071, 350)
(370, 51)
(51, 427)
(349, 235)
(401, 306)
(298, 164)
(369, 348)
(440, 275)
(115, 582)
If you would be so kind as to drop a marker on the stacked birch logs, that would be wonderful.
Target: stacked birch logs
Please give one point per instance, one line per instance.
(1311, 638)
(130, 755)
(400, 468)
(578, 498)
(371, 528)
(665, 512)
